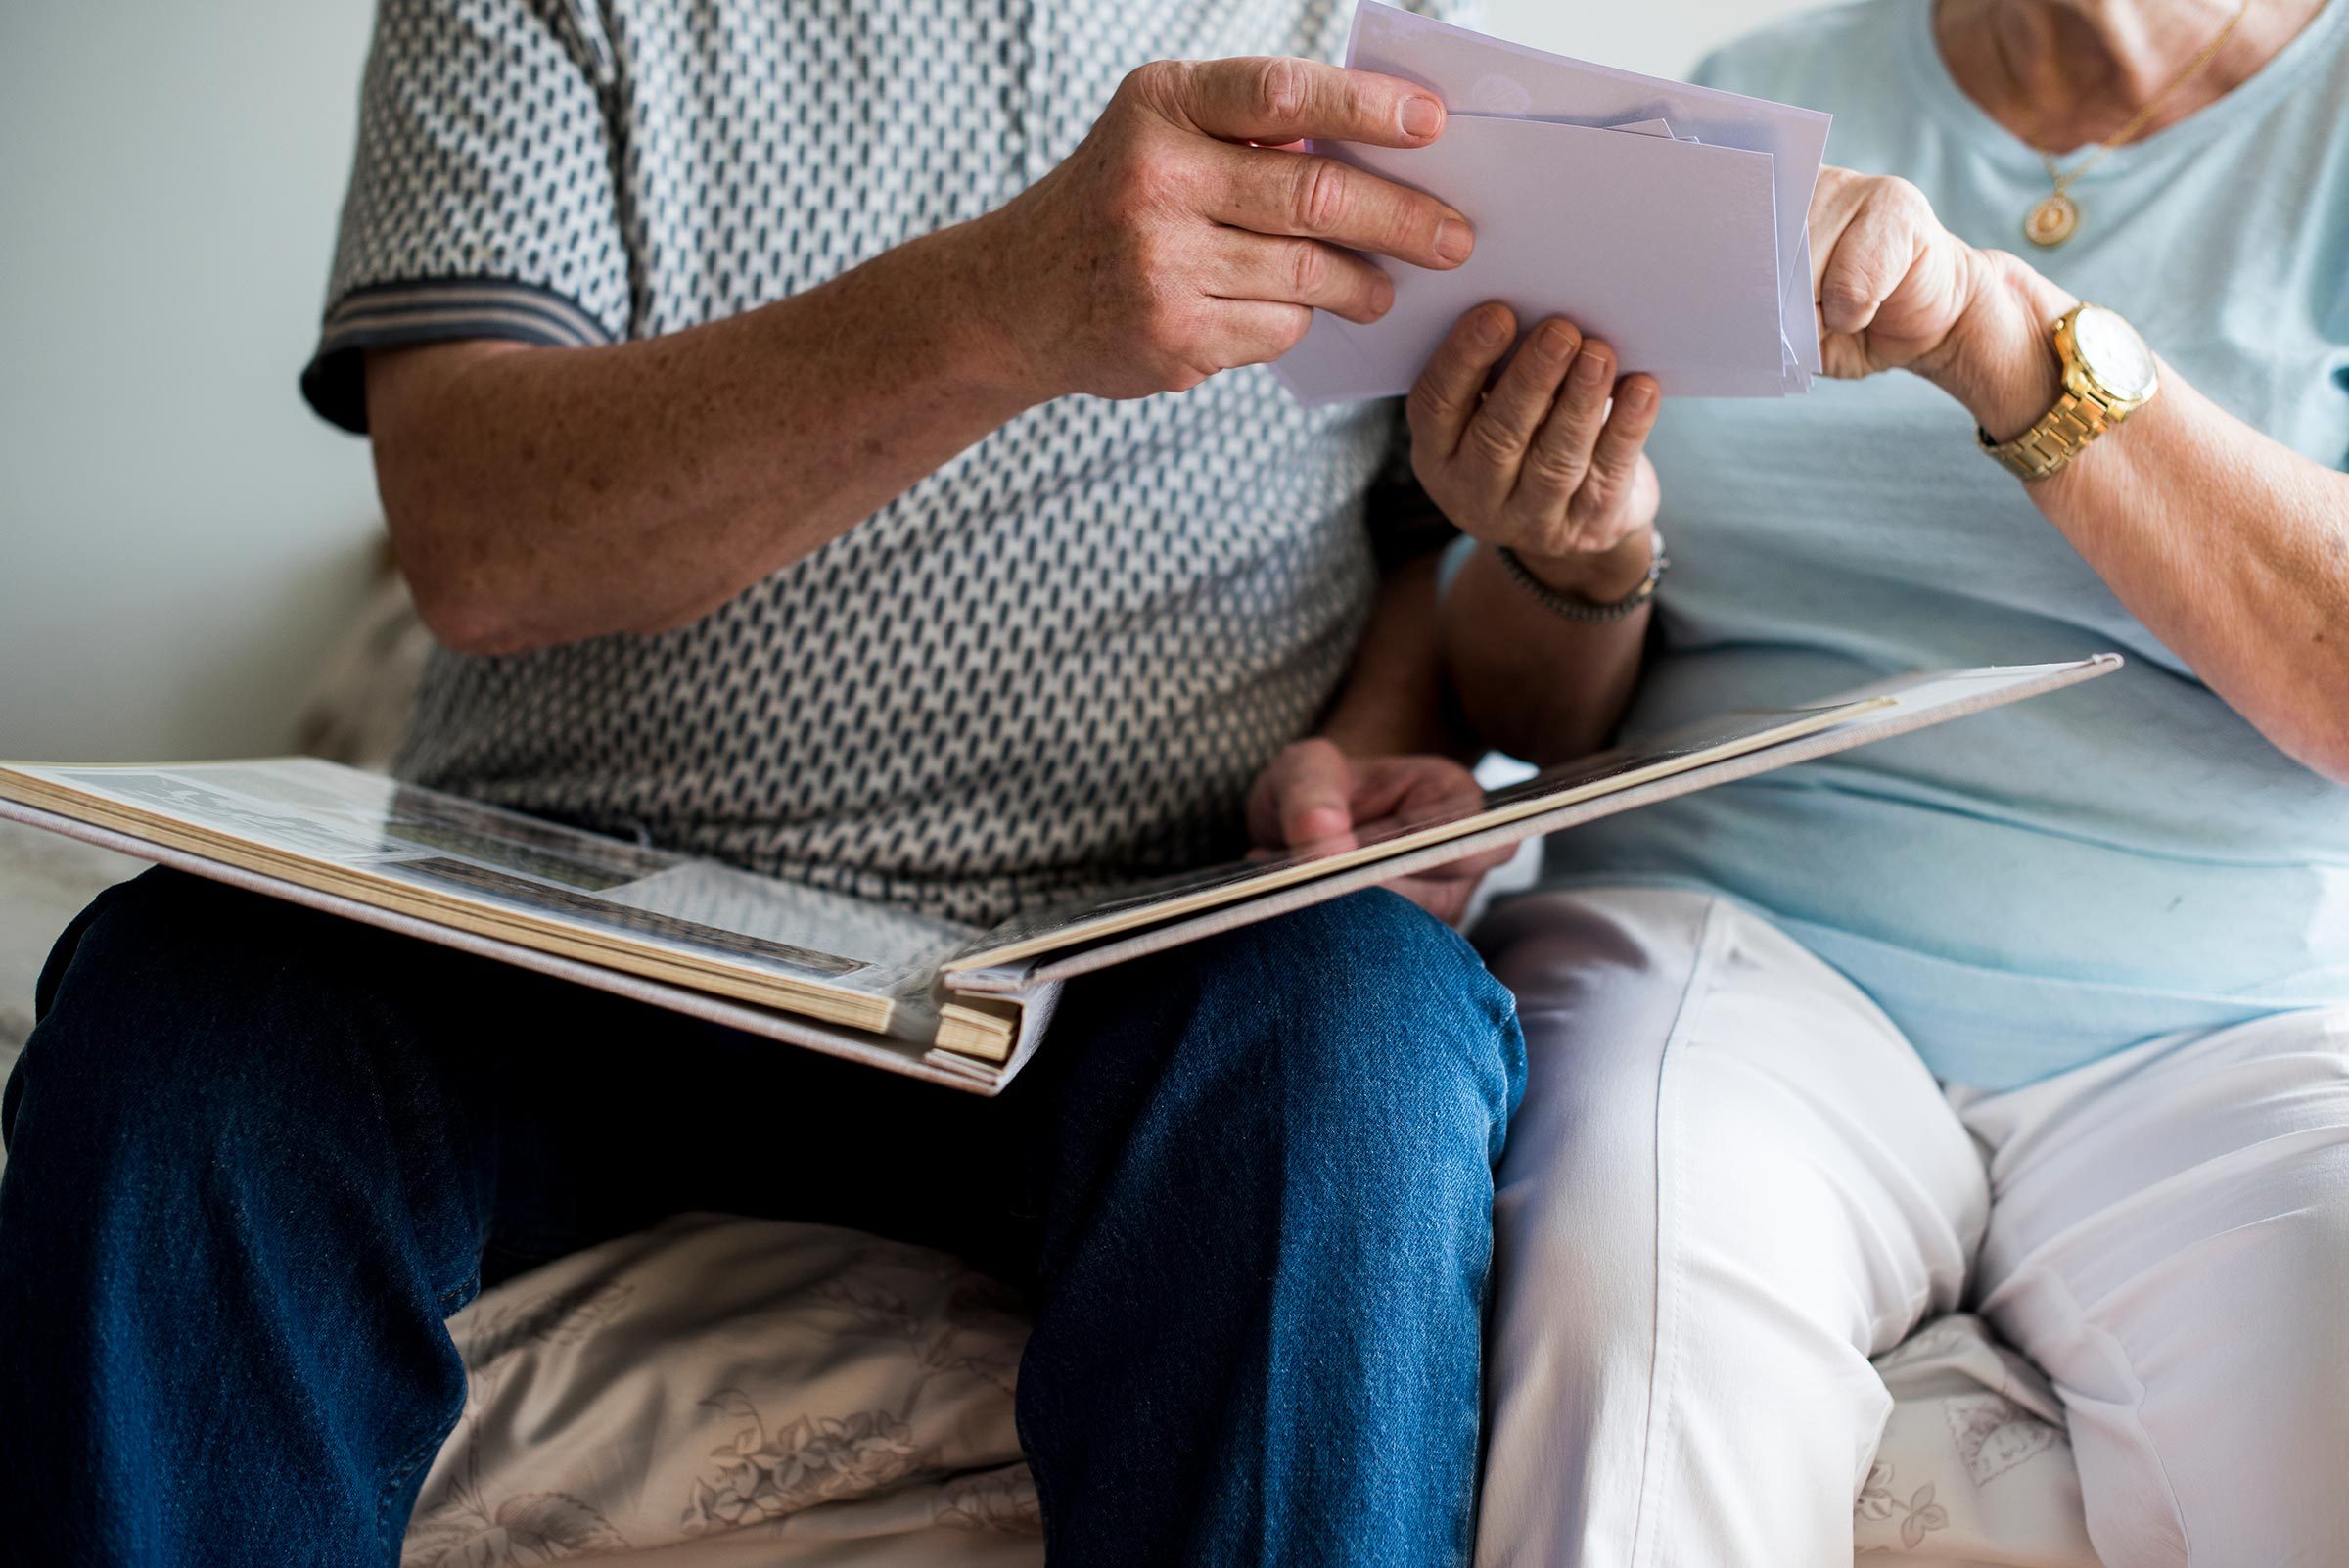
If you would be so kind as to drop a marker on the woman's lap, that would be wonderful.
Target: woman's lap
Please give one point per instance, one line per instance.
(2170, 1241)
(1732, 1182)
(1729, 1185)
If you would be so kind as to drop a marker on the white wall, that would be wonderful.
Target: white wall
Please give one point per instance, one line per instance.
(178, 537)
(1661, 37)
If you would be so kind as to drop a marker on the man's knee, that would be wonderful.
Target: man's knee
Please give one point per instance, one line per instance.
(1364, 1019)
(181, 1016)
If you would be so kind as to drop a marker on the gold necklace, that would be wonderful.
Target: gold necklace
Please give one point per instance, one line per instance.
(2056, 218)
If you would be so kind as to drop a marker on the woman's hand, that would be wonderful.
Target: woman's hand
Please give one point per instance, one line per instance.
(1313, 795)
(1891, 281)
(1897, 291)
(2226, 544)
(1538, 462)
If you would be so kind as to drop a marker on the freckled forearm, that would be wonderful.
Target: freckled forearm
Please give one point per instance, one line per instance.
(2229, 546)
(544, 495)
(2232, 549)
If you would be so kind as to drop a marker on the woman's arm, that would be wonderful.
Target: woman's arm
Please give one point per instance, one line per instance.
(2228, 545)
(1393, 698)
(1535, 685)
(1539, 463)
(1543, 464)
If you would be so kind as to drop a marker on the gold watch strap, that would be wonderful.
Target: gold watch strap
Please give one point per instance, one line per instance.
(2061, 431)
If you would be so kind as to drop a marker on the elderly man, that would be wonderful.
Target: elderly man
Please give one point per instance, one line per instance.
(770, 404)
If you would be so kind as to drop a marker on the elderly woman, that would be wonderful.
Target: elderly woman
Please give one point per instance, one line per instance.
(2047, 1012)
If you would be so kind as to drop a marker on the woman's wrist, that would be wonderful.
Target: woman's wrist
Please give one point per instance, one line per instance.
(1601, 577)
(1393, 702)
(1999, 359)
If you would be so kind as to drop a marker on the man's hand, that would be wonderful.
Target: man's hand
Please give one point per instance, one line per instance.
(1184, 237)
(1548, 461)
(1313, 795)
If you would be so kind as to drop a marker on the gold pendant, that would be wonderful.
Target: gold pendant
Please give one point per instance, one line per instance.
(2052, 221)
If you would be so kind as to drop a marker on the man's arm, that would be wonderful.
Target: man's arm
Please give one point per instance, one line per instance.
(538, 496)
(1386, 750)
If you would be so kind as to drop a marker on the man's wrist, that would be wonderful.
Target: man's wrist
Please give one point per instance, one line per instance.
(1600, 577)
(1999, 359)
(996, 346)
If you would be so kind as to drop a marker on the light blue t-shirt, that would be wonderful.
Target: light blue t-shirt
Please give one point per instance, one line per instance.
(2031, 889)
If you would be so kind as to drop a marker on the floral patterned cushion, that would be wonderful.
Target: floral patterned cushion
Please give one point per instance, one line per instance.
(724, 1393)
(1974, 1466)
(718, 1391)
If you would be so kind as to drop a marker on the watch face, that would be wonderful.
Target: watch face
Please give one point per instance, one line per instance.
(2114, 353)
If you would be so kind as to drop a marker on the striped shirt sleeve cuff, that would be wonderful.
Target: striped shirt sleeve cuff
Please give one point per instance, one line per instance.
(386, 315)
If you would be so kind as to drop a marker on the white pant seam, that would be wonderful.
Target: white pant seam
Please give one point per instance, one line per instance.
(1660, 1437)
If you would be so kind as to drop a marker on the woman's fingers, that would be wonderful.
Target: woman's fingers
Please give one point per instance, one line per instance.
(1537, 460)
(1890, 280)
(1447, 394)
(1304, 797)
(1560, 454)
(1412, 789)
(1615, 455)
(1498, 436)
(1871, 257)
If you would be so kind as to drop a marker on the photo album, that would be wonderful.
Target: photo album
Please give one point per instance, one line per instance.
(871, 983)
(1667, 218)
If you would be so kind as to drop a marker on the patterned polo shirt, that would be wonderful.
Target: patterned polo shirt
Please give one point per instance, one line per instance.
(1047, 670)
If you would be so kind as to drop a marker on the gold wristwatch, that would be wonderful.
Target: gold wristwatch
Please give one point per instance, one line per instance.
(2108, 374)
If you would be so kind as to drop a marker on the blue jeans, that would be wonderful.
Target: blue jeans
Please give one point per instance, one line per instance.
(257, 1156)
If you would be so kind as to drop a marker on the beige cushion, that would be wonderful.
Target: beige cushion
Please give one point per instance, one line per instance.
(719, 1392)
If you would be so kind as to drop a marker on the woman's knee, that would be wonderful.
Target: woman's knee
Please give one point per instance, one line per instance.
(1600, 984)
(2246, 1431)
(1707, 1098)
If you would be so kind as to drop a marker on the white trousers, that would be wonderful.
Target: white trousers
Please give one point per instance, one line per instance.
(1732, 1182)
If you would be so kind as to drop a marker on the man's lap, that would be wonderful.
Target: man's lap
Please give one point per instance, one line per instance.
(592, 1115)
(597, 1116)
(258, 1155)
